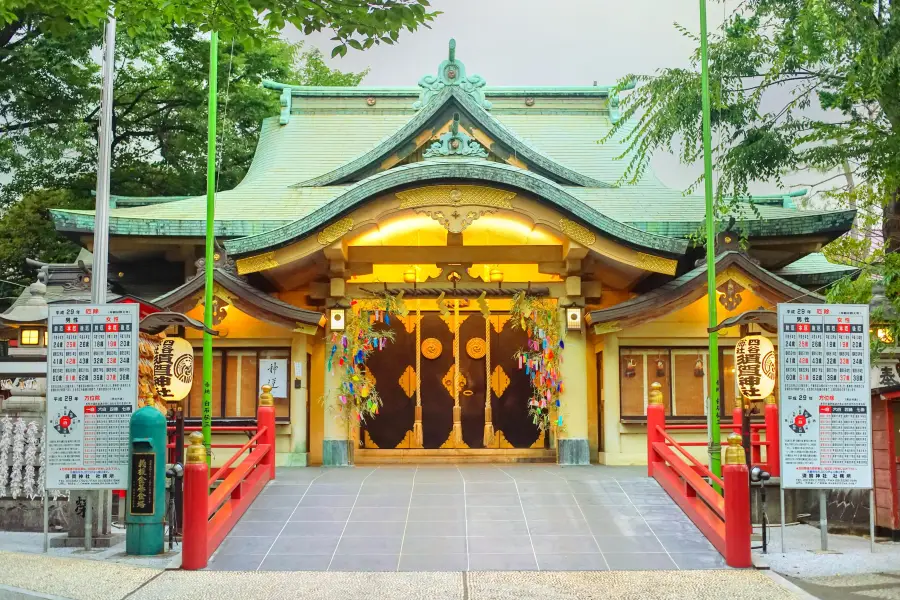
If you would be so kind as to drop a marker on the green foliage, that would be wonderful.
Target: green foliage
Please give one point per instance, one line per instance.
(27, 232)
(359, 24)
(771, 63)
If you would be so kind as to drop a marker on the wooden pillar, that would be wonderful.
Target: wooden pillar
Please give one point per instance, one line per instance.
(573, 447)
(299, 397)
(336, 447)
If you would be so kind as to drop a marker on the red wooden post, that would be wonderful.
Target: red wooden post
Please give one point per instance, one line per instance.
(737, 505)
(194, 544)
(265, 417)
(773, 436)
(737, 417)
(656, 418)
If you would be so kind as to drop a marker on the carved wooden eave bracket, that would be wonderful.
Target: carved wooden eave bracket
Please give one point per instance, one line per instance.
(731, 266)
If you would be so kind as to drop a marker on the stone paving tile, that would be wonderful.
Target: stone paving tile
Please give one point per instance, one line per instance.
(497, 528)
(443, 513)
(256, 529)
(434, 545)
(379, 513)
(314, 528)
(643, 561)
(432, 528)
(332, 489)
(364, 562)
(496, 500)
(494, 513)
(628, 543)
(686, 543)
(620, 526)
(314, 513)
(235, 562)
(370, 545)
(437, 500)
(698, 560)
(572, 562)
(329, 500)
(267, 502)
(502, 562)
(295, 491)
(374, 528)
(246, 545)
(383, 501)
(499, 544)
(295, 562)
(558, 527)
(267, 514)
(564, 544)
(287, 544)
(434, 562)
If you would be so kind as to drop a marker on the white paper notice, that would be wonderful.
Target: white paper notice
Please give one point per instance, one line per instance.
(826, 419)
(274, 372)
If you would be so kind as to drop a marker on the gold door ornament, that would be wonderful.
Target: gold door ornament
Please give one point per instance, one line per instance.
(476, 348)
(448, 381)
(431, 348)
(499, 381)
(408, 381)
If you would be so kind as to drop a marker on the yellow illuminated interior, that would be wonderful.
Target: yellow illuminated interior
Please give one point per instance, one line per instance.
(422, 230)
(30, 337)
(511, 273)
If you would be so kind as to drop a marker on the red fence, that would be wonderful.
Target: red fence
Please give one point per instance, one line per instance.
(723, 519)
(210, 515)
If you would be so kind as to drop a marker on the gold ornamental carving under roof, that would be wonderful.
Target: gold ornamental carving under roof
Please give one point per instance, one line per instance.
(431, 348)
(577, 232)
(657, 264)
(254, 264)
(476, 348)
(456, 195)
(335, 231)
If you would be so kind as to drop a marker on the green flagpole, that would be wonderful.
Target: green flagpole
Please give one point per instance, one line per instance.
(210, 240)
(715, 448)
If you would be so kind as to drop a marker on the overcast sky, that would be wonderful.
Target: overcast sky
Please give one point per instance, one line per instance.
(536, 42)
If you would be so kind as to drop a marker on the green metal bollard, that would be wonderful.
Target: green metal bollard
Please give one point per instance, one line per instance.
(146, 500)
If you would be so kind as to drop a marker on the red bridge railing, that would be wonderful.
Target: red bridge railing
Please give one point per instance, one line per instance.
(213, 504)
(723, 519)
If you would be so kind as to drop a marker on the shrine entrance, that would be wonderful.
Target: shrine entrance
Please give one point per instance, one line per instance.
(487, 410)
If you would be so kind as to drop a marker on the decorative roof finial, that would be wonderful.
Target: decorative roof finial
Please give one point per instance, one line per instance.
(451, 72)
(455, 143)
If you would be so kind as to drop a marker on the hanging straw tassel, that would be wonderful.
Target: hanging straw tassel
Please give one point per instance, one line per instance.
(457, 425)
(488, 427)
(417, 428)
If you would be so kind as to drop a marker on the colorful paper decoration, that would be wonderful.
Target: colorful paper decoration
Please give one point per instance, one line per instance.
(541, 356)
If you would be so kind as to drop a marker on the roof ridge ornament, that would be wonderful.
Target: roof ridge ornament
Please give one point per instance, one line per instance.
(455, 143)
(451, 72)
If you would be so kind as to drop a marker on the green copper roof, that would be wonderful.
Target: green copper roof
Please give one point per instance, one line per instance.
(816, 270)
(334, 136)
(475, 170)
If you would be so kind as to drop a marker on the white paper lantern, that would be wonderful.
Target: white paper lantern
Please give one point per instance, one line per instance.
(755, 367)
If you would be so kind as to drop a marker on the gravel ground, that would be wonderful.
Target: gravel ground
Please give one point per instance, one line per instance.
(847, 554)
(72, 578)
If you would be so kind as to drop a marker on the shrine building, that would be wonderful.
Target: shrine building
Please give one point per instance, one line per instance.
(455, 200)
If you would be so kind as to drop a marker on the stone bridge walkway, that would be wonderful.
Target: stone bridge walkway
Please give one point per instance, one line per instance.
(464, 518)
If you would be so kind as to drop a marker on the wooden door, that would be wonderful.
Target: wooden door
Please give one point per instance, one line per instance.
(437, 361)
(511, 387)
(472, 352)
(393, 369)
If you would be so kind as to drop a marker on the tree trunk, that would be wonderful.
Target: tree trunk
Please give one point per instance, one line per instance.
(890, 222)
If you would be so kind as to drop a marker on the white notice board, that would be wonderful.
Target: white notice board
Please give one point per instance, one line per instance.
(91, 394)
(826, 408)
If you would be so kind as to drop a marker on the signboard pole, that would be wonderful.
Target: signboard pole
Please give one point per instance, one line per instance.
(781, 489)
(823, 519)
(872, 521)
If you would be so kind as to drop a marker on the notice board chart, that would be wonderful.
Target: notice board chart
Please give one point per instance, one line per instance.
(91, 394)
(826, 417)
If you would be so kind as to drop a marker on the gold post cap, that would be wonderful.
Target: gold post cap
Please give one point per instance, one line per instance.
(656, 396)
(770, 399)
(196, 452)
(734, 453)
(266, 399)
